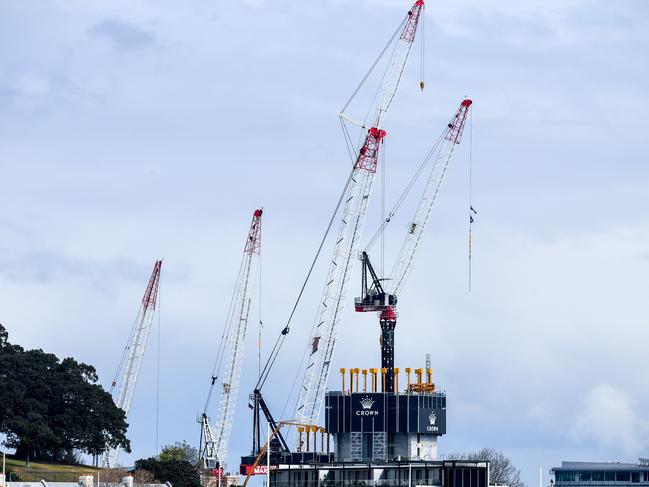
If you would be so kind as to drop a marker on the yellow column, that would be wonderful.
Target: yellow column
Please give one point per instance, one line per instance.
(408, 370)
(384, 372)
(396, 380)
(342, 373)
(364, 380)
(300, 430)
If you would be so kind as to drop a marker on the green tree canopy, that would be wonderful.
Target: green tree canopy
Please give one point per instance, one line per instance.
(180, 450)
(51, 408)
(180, 473)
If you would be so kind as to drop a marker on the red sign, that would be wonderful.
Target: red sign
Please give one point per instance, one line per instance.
(259, 469)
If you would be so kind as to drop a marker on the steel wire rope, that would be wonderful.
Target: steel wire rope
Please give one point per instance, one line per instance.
(280, 340)
(216, 370)
(120, 366)
(405, 192)
(376, 61)
(471, 210)
(157, 392)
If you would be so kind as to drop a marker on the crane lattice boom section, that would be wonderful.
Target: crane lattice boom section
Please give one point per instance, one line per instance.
(452, 137)
(237, 325)
(135, 353)
(326, 327)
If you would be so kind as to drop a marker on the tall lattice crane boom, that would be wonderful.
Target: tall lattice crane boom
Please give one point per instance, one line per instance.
(451, 138)
(326, 327)
(215, 443)
(134, 353)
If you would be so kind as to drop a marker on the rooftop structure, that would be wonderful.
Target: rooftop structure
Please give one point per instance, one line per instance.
(601, 473)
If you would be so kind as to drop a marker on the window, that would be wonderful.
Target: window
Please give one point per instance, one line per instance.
(585, 476)
(623, 476)
(565, 476)
(609, 476)
(635, 477)
(598, 476)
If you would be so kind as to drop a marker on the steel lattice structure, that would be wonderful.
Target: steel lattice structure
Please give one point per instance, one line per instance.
(134, 354)
(326, 327)
(215, 443)
(451, 138)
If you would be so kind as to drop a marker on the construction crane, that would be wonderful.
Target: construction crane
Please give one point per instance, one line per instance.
(374, 297)
(215, 442)
(326, 326)
(133, 354)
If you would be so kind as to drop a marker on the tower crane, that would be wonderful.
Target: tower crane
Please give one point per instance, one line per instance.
(374, 297)
(326, 327)
(215, 442)
(133, 354)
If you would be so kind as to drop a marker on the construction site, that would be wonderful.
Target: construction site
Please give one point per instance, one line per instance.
(380, 425)
(374, 426)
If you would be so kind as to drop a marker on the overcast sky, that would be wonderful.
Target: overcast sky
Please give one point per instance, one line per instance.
(131, 131)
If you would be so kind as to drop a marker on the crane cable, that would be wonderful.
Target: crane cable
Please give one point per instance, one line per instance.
(405, 192)
(220, 354)
(472, 211)
(157, 379)
(422, 83)
(280, 340)
(285, 331)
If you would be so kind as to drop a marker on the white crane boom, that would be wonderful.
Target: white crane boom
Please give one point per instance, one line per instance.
(326, 327)
(134, 353)
(450, 139)
(215, 445)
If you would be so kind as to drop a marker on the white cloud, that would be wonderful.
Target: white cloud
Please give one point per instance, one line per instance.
(610, 418)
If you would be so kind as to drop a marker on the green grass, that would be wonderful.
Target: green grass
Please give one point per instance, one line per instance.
(48, 471)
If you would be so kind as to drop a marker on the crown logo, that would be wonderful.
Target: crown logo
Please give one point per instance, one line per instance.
(367, 402)
(432, 418)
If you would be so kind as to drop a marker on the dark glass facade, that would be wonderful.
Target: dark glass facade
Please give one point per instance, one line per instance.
(594, 474)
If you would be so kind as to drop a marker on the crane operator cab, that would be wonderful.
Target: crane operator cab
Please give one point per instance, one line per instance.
(373, 297)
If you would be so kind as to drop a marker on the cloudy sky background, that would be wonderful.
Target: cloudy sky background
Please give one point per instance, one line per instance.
(131, 131)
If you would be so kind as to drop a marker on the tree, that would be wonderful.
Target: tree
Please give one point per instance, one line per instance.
(52, 408)
(180, 473)
(179, 451)
(501, 469)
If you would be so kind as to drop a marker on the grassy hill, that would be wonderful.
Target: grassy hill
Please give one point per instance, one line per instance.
(52, 472)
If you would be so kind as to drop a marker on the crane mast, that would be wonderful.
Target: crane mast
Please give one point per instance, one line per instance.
(374, 298)
(326, 326)
(215, 443)
(134, 353)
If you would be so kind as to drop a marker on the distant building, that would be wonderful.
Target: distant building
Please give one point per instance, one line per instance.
(595, 474)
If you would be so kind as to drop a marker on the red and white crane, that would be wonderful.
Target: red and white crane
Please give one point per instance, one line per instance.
(215, 442)
(133, 354)
(374, 297)
(326, 327)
